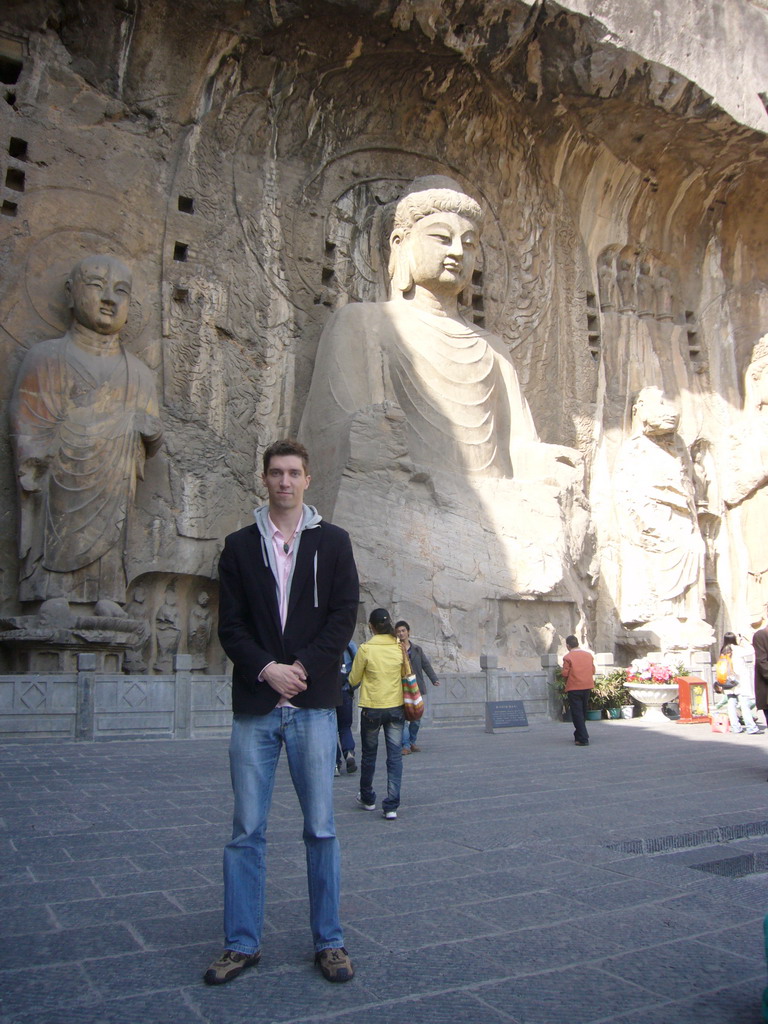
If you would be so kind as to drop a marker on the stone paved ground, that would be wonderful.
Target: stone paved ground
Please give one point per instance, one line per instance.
(526, 880)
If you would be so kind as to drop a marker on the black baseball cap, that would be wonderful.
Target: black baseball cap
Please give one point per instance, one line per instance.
(380, 617)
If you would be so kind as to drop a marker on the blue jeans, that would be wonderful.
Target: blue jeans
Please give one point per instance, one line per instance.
(740, 702)
(410, 732)
(346, 744)
(309, 736)
(371, 720)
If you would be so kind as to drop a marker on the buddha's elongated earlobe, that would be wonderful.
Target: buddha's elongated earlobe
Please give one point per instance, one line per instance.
(400, 272)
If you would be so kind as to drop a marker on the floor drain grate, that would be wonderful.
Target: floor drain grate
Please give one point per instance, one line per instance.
(735, 867)
(692, 840)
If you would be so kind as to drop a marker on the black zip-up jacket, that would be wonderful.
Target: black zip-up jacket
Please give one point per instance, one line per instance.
(322, 611)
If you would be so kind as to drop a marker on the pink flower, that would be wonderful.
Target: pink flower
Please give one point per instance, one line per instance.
(642, 670)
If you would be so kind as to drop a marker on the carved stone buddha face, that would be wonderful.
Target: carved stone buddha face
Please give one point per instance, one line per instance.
(655, 414)
(100, 293)
(434, 246)
(441, 250)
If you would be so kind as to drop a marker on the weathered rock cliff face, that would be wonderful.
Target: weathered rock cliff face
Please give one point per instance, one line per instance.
(239, 158)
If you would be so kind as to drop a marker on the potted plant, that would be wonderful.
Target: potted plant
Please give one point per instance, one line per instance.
(599, 698)
(617, 698)
(626, 701)
(560, 697)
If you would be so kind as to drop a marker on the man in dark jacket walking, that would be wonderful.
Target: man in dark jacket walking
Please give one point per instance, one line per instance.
(420, 664)
(287, 609)
(760, 644)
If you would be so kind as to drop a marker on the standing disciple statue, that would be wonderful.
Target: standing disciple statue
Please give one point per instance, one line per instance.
(662, 551)
(135, 660)
(606, 278)
(645, 292)
(746, 457)
(626, 279)
(84, 417)
(199, 631)
(663, 293)
(167, 632)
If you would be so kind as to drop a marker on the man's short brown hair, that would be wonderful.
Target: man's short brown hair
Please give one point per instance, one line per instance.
(285, 447)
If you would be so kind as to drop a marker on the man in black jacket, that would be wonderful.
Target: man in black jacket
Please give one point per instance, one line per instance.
(287, 609)
(760, 644)
(420, 664)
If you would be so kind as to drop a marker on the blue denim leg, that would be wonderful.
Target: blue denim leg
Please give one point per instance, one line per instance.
(414, 731)
(370, 723)
(310, 743)
(371, 720)
(344, 720)
(310, 739)
(254, 750)
(407, 739)
(393, 734)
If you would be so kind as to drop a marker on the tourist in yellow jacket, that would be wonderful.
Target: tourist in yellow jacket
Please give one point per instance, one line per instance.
(378, 670)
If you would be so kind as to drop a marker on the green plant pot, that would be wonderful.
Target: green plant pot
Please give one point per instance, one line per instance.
(613, 712)
(594, 716)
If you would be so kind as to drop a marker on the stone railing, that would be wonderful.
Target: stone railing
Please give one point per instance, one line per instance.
(92, 704)
(461, 697)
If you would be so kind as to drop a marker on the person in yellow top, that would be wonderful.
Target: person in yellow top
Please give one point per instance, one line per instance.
(378, 671)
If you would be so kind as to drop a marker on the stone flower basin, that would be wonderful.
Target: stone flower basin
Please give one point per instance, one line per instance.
(653, 695)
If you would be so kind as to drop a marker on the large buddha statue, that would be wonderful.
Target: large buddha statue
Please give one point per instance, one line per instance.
(84, 417)
(454, 383)
(424, 447)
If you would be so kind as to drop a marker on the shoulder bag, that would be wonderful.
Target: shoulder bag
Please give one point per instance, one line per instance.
(413, 702)
(724, 676)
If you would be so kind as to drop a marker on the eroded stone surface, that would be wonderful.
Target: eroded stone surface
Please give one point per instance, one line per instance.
(240, 158)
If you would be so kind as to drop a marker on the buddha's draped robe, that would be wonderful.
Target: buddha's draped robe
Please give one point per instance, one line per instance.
(454, 383)
(662, 551)
(86, 441)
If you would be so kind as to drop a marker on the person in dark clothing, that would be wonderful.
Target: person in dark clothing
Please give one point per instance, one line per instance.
(287, 609)
(760, 644)
(420, 664)
(579, 675)
(345, 748)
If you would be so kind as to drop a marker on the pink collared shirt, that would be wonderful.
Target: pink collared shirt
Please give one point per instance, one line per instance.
(283, 563)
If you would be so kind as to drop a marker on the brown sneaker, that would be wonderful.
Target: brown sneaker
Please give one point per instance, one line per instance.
(335, 964)
(415, 749)
(229, 965)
